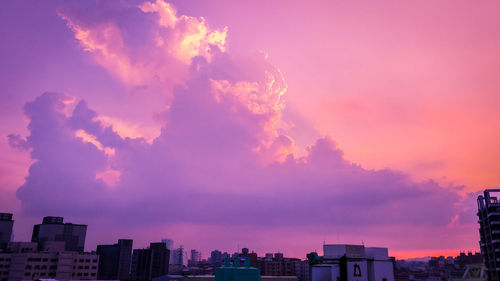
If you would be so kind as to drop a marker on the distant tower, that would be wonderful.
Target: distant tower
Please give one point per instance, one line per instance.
(489, 231)
(169, 242)
(195, 257)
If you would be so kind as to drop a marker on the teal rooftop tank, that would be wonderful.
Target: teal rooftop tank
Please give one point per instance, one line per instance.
(236, 272)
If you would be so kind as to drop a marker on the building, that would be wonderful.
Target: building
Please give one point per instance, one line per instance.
(114, 260)
(150, 263)
(351, 263)
(473, 272)
(212, 278)
(22, 247)
(237, 272)
(53, 229)
(195, 257)
(277, 265)
(6, 224)
(302, 270)
(245, 253)
(169, 243)
(489, 231)
(27, 263)
(216, 258)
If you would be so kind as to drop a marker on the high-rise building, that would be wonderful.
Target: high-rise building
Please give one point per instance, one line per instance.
(150, 263)
(489, 231)
(114, 260)
(6, 224)
(195, 257)
(53, 229)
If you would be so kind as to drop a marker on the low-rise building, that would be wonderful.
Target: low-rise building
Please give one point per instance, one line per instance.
(24, 262)
(352, 263)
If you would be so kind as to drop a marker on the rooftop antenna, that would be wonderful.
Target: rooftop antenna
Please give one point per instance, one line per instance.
(363, 242)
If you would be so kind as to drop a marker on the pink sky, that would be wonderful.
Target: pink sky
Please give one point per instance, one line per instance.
(275, 125)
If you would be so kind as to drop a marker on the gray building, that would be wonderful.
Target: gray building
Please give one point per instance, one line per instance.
(114, 260)
(489, 231)
(53, 229)
(6, 224)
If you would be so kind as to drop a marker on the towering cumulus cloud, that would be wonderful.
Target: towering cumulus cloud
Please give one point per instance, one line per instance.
(220, 159)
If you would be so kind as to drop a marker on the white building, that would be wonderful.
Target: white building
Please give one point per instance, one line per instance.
(353, 263)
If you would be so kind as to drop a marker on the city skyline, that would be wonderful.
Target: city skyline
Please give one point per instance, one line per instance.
(187, 252)
(263, 125)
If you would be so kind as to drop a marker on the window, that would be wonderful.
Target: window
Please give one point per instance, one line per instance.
(45, 259)
(94, 260)
(88, 260)
(27, 274)
(93, 274)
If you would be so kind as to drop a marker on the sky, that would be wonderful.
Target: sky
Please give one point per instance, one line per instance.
(273, 125)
